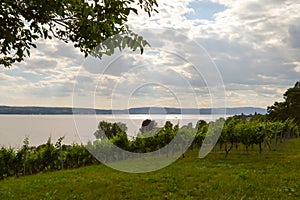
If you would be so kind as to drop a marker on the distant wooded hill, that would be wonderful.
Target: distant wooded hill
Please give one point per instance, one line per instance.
(142, 110)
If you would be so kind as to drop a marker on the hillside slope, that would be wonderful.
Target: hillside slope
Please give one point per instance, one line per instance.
(240, 176)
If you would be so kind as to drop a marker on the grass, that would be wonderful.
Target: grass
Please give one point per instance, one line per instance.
(239, 176)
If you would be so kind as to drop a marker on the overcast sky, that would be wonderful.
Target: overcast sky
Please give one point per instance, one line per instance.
(201, 52)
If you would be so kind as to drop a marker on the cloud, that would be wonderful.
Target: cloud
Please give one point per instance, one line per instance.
(294, 35)
(8, 78)
(254, 44)
(41, 64)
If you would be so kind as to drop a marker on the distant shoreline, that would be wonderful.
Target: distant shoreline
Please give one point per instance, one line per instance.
(33, 110)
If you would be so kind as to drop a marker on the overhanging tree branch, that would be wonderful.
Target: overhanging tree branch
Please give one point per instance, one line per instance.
(85, 23)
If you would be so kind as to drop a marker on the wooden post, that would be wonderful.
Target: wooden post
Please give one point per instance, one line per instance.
(264, 150)
(275, 138)
(61, 158)
(265, 141)
(24, 169)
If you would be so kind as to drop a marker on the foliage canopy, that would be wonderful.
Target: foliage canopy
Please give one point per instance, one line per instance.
(86, 23)
(290, 108)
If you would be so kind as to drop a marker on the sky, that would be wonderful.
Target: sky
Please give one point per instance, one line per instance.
(204, 53)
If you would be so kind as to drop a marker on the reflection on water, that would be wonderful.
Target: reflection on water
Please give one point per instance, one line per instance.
(14, 128)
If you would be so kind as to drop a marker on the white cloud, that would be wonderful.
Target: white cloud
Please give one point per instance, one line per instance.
(255, 44)
(8, 79)
(297, 66)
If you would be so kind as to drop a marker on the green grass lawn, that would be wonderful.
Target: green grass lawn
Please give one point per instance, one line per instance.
(239, 176)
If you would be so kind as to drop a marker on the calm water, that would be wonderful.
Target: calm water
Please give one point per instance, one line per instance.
(77, 129)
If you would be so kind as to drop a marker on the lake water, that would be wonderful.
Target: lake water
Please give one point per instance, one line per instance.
(77, 128)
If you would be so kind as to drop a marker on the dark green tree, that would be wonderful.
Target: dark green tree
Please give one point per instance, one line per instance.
(201, 128)
(86, 23)
(228, 137)
(166, 134)
(109, 129)
(292, 98)
(148, 125)
(121, 141)
(290, 108)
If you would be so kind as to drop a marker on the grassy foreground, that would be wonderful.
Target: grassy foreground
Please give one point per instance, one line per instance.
(239, 176)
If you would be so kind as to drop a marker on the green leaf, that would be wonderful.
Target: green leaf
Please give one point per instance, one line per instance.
(84, 23)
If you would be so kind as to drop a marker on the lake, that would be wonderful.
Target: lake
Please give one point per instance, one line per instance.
(77, 128)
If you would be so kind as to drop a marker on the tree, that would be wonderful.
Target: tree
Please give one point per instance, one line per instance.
(110, 129)
(166, 134)
(228, 136)
(86, 23)
(201, 128)
(292, 98)
(148, 125)
(278, 111)
(58, 146)
(290, 108)
(25, 149)
(121, 141)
